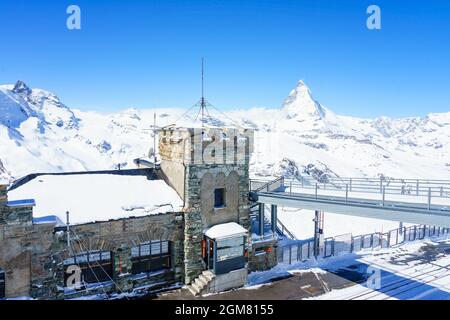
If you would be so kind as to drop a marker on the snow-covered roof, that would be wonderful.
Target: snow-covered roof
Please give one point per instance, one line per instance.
(225, 230)
(97, 197)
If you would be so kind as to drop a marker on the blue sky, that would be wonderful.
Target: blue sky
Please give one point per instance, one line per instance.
(147, 53)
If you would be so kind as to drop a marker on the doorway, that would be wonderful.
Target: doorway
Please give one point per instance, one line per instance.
(2, 284)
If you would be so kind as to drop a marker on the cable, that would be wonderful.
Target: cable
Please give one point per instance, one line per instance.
(98, 280)
(117, 286)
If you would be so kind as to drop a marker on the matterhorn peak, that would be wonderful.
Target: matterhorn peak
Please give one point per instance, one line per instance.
(300, 102)
(21, 88)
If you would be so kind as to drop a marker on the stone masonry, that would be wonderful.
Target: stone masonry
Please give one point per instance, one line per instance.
(197, 161)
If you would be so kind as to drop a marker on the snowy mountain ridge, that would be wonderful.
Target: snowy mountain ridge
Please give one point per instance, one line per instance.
(38, 133)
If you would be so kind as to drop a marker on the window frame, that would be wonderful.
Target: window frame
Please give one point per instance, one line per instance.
(153, 259)
(223, 200)
(93, 269)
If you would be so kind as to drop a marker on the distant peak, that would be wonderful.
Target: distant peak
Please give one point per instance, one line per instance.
(301, 102)
(20, 87)
(302, 85)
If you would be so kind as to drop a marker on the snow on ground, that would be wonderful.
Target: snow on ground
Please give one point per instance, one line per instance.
(414, 270)
(97, 197)
(412, 279)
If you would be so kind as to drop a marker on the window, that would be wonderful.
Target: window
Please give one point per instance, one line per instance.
(150, 256)
(230, 248)
(2, 284)
(219, 198)
(96, 266)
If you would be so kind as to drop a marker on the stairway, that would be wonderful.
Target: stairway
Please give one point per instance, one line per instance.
(200, 284)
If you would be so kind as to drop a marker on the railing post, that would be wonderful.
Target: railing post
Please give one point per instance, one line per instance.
(350, 184)
(417, 187)
(381, 184)
(309, 249)
(273, 218)
(429, 198)
(261, 219)
(346, 193)
(352, 244)
(384, 194)
(316, 189)
(290, 254)
(442, 191)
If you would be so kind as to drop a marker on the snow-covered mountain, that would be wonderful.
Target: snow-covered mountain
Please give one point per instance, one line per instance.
(38, 133)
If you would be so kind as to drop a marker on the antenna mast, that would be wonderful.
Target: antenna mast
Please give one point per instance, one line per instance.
(155, 130)
(203, 95)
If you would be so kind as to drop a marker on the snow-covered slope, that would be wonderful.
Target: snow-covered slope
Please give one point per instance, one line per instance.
(38, 133)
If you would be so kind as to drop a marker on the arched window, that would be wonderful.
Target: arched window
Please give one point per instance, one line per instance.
(2, 284)
(96, 266)
(150, 256)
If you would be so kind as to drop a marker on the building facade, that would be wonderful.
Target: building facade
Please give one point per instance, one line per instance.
(206, 245)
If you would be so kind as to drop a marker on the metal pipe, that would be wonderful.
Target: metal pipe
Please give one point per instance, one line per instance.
(68, 229)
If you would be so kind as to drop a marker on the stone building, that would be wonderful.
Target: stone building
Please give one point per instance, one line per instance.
(203, 241)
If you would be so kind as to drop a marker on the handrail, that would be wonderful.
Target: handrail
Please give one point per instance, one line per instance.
(361, 202)
(418, 188)
(283, 230)
(268, 184)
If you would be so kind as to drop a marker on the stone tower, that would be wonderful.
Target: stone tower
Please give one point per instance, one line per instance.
(209, 168)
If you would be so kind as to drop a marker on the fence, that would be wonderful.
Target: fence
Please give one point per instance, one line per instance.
(301, 251)
(416, 187)
(264, 185)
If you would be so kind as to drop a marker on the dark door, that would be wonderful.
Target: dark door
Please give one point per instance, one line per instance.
(208, 253)
(2, 284)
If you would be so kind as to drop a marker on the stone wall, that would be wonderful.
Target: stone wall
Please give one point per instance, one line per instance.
(119, 236)
(16, 247)
(201, 166)
(3, 193)
(32, 255)
(263, 255)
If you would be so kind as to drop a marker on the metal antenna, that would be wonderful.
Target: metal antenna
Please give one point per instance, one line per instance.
(154, 139)
(203, 95)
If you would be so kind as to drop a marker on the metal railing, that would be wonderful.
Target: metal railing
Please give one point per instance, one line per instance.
(281, 228)
(264, 185)
(302, 251)
(415, 187)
